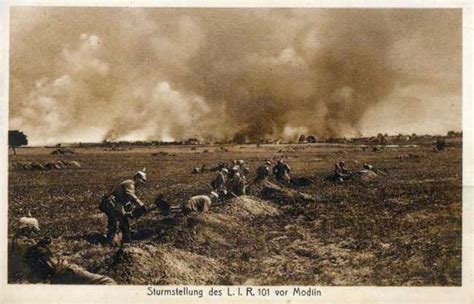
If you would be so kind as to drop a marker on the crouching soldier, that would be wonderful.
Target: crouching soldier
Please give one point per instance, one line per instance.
(282, 172)
(263, 172)
(120, 205)
(341, 173)
(237, 184)
(199, 203)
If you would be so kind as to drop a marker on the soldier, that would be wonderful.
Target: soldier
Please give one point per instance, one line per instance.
(219, 182)
(237, 183)
(263, 172)
(282, 172)
(341, 173)
(47, 267)
(243, 168)
(119, 203)
(199, 203)
(23, 238)
(35, 261)
(367, 166)
(232, 170)
(219, 167)
(27, 226)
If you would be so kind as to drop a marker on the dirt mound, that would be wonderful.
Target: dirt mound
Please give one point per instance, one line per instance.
(29, 166)
(366, 175)
(62, 151)
(116, 149)
(301, 181)
(216, 228)
(162, 153)
(407, 156)
(249, 207)
(273, 192)
(51, 165)
(162, 265)
(72, 163)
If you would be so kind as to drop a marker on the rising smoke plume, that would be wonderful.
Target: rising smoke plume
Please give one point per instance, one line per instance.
(88, 74)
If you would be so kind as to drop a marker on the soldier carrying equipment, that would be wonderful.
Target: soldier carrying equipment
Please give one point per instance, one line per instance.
(121, 204)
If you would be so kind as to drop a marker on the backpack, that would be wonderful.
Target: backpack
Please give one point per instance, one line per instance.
(107, 203)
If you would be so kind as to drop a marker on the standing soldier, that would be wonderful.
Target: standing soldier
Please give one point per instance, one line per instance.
(119, 204)
(282, 172)
(263, 172)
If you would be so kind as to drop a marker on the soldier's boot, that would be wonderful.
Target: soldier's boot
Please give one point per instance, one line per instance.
(125, 228)
(111, 228)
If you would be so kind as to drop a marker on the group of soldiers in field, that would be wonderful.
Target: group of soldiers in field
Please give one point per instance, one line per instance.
(121, 204)
(231, 179)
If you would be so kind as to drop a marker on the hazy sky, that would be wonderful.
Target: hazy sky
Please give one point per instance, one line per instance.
(88, 74)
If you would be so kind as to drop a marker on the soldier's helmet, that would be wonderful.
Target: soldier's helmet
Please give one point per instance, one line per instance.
(269, 163)
(225, 171)
(141, 175)
(342, 163)
(27, 225)
(235, 168)
(214, 195)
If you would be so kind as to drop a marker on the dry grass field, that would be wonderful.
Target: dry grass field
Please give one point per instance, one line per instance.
(401, 228)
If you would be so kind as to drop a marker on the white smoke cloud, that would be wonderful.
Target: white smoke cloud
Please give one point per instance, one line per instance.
(136, 74)
(292, 133)
(57, 104)
(163, 113)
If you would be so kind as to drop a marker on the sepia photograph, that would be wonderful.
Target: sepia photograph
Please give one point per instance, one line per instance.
(202, 146)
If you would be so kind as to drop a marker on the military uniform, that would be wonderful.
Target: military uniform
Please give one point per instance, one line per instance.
(282, 172)
(219, 182)
(34, 262)
(340, 172)
(237, 184)
(198, 203)
(262, 172)
(120, 202)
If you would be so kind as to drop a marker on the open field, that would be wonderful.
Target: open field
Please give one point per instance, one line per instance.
(402, 228)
